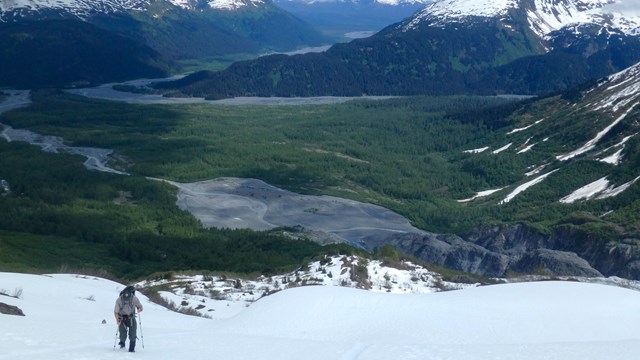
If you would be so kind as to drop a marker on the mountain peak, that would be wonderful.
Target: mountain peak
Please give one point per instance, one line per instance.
(544, 16)
(455, 9)
(231, 4)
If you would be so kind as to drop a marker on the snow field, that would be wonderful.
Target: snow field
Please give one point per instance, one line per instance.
(537, 320)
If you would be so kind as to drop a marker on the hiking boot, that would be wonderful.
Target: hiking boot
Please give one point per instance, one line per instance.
(132, 346)
(121, 343)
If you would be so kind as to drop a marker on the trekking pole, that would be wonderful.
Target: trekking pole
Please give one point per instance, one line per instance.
(116, 339)
(140, 323)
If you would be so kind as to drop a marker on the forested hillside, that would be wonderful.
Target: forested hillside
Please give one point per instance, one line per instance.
(73, 43)
(469, 166)
(445, 49)
(40, 54)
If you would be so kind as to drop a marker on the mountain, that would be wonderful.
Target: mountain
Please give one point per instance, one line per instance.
(560, 182)
(172, 29)
(451, 46)
(40, 55)
(64, 313)
(548, 185)
(351, 18)
(580, 156)
(180, 29)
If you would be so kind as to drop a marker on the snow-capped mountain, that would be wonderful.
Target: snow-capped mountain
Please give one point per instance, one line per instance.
(383, 2)
(18, 9)
(257, 24)
(543, 16)
(84, 8)
(469, 46)
(175, 29)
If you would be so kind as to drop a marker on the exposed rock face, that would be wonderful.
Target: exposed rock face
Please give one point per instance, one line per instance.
(553, 262)
(10, 310)
(498, 251)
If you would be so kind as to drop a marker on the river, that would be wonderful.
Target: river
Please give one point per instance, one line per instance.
(237, 203)
(107, 92)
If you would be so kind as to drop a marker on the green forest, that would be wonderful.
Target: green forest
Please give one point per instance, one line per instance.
(406, 154)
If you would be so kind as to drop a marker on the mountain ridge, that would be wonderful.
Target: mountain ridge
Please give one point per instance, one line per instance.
(489, 53)
(174, 29)
(85, 8)
(36, 56)
(544, 16)
(581, 147)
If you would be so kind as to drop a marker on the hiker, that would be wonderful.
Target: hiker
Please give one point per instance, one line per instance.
(125, 313)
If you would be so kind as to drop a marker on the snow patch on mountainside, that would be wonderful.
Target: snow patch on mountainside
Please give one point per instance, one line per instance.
(525, 186)
(234, 4)
(453, 9)
(599, 189)
(623, 89)
(480, 194)
(181, 3)
(400, 2)
(446, 11)
(383, 2)
(615, 101)
(616, 157)
(589, 145)
(551, 15)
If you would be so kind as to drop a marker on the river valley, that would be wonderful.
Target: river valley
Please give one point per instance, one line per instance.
(236, 203)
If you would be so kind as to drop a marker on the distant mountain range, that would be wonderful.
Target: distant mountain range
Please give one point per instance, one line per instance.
(348, 16)
(451, 46)
(41, 54)
(180, 28)
(165, 30)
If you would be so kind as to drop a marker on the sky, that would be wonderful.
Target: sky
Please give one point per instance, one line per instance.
(627, 7)
(536, 320)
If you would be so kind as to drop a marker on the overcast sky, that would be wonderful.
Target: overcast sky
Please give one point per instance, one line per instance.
(627, 7)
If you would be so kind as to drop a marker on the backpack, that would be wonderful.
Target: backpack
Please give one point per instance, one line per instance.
(127, 294)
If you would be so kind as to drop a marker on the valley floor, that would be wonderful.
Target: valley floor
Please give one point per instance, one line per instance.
(245, 203)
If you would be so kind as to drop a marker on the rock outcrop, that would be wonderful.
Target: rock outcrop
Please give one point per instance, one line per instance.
(10, 310)
(499, 251)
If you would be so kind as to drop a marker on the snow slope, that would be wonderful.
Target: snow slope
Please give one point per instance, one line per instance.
(544, 320)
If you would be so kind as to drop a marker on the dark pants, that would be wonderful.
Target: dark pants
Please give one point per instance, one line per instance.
(127, 325)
